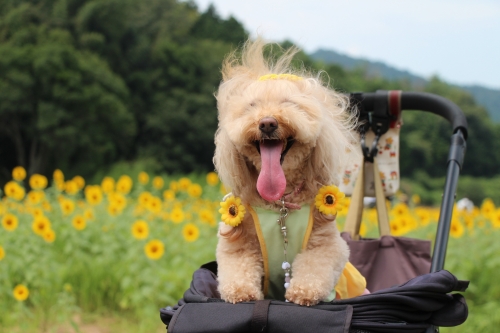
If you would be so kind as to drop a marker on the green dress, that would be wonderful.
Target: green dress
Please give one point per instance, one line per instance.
(299, 226)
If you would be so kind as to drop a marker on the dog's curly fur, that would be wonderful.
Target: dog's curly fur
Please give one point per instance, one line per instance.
(316, 118)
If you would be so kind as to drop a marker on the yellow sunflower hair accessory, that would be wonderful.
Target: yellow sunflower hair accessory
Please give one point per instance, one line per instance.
(329, 200)
(289, 77)
(232, 211)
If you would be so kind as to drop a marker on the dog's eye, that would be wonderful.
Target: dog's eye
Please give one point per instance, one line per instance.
(252, 104)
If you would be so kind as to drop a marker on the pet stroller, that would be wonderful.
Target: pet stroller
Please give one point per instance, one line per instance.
(421, 303)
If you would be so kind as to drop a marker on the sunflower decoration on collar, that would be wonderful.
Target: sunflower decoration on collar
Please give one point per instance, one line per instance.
(232, 211)
(329, 200)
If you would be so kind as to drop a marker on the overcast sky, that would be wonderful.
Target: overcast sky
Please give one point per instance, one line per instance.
(459, 40)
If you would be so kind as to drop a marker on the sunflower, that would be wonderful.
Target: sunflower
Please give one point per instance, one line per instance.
(9, 222)
(194, 190)
(118, 200)
(169, 195)
(456, 228)
(80, 182)
(93, 194)
(114, 210)
(18, 173)
(2, 253)
(415, 199)
(34, 197)
(212, 179)
(67, 206)
(154, 205)
(38, 182)
(424, 215)
(400, 209)
(207, 216)
(184, 183)
(71, 187)
(342, 211)
(174, 186)
(329, 200)
(144, 198)
(21, 292)
(154, 249)
(14, 190)
(46, 206)
(158, 183)
(49, 236)
(487, 208)
(143, 178)
(140, 229)
(398, 229)
(232, 211)
(58, 175)
(407, 221)
(190, 232)
(60, 185)
(79, 222)
(40, 225)
(37, 212)
(124, 184)
(108, 185)
(495, 219)
(177, 215)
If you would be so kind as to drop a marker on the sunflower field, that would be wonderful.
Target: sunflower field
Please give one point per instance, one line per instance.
(73, 253)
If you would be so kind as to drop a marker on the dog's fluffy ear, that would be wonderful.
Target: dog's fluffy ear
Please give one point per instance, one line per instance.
(330, 160)
(232, 168)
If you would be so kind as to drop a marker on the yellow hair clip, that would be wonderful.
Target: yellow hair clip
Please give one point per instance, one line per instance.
(289, 77)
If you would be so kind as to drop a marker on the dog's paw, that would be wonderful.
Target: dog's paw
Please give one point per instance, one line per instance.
(305, 294)
(240, 292)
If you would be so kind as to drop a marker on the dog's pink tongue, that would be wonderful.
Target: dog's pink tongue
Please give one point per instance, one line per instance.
(271, 183)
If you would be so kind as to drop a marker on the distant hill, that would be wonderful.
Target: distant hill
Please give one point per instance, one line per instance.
(486, 97)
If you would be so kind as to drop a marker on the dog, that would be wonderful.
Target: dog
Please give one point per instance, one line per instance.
(282, 136)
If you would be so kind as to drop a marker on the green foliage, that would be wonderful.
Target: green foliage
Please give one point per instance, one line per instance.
(85, 84)
(88, 83)
(210, 26)
(60, 104)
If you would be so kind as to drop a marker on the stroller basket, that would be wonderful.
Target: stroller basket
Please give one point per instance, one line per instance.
(418, 305)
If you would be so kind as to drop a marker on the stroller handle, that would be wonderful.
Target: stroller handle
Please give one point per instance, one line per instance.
(418, 101)
(384, 105)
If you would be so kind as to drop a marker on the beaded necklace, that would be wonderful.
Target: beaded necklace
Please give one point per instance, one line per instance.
(281, 221)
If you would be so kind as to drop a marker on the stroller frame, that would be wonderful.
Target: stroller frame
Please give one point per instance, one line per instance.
(380, 103)
(374, 109)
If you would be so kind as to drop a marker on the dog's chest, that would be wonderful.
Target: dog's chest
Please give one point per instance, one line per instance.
(298, 229)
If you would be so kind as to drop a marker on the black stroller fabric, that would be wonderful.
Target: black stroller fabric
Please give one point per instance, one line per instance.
(410, 307)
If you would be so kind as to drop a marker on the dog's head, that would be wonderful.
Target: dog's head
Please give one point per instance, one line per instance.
(278, 129)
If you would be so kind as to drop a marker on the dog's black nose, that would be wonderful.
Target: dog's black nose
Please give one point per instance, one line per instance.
(268, 125)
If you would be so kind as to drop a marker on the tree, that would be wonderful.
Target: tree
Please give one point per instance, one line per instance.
(60, 106)
(211, 26)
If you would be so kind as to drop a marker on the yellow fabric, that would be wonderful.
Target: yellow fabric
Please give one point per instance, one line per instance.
(351, 283)
(263, 248)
